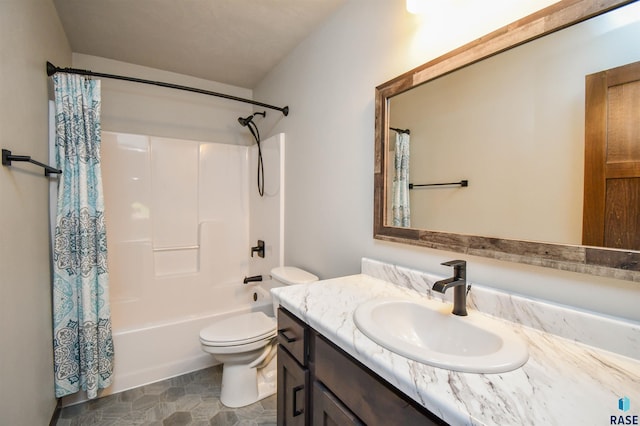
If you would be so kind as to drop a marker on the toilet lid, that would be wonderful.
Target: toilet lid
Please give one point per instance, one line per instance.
(239, 328)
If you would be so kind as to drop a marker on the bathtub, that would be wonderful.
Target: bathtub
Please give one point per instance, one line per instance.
(161, 350)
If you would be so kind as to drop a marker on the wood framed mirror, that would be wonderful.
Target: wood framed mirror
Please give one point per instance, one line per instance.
(483, 233)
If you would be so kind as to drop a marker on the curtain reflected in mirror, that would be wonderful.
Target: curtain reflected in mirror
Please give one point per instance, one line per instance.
(400, 205)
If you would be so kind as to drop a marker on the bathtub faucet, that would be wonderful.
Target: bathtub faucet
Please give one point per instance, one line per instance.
(255, 278)
(258, 249)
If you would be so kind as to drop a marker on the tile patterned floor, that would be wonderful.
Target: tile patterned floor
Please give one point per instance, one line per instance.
(192, 399)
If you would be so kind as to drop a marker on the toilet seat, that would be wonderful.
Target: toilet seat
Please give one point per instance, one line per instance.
(245, 342)
(239, 330)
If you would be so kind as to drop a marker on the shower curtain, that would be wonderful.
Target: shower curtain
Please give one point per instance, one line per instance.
(400, 203)
(83, 347)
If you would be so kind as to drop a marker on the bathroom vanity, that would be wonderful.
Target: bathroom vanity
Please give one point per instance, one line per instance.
(579, 364)
(321, 384)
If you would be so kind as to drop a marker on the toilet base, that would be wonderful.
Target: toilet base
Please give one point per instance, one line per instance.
(244, 385)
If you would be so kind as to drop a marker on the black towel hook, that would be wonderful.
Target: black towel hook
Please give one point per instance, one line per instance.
(7, 158)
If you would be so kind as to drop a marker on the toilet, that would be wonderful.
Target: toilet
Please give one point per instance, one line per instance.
(246, 346)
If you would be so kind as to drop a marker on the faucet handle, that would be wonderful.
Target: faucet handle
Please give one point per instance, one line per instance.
(455, 263)
(459, 268)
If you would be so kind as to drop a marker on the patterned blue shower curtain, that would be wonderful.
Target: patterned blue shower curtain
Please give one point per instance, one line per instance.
(400, 203)
(83, 346)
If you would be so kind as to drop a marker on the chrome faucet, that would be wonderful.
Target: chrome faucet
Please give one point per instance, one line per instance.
(459, 283)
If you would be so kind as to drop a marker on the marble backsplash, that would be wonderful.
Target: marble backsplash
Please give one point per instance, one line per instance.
(611, 334)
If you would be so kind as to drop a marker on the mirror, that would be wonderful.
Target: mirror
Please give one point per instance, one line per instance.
(521, 97)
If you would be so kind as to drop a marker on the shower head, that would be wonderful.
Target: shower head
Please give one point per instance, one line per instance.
(253, 128)
(245, 121)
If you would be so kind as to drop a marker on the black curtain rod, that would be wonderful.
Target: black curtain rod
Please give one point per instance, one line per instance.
(462, 183)
(52, 69)
(407, 131)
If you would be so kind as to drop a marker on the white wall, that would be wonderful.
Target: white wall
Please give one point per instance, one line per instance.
(185, 227)
(177, 214)
(266, 217)
(30, 34)
(328, 81)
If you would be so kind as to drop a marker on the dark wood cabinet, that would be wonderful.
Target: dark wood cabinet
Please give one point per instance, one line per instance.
(293, 335)
(322, 385)
(329, 410)
(293, 372)
(293, 391)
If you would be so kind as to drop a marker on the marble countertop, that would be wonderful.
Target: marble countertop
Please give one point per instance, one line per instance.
(562, 383)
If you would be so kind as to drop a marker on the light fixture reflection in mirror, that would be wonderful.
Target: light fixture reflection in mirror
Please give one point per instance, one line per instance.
(416, 7)
(547, 251)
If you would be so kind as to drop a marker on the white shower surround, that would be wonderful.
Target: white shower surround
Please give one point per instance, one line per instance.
(177, 267)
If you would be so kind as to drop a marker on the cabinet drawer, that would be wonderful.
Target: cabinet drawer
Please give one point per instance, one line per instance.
(365, 393)
(292, 335)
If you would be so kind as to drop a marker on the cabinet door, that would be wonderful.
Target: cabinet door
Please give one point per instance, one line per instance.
(329, 411)
(293, 391)
(367, 395)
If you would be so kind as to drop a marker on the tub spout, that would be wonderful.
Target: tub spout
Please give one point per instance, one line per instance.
(255, 278)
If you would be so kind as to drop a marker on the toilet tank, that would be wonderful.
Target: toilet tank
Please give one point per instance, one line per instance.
(290, 275)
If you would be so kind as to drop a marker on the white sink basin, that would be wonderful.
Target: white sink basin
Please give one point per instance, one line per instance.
(427, 331)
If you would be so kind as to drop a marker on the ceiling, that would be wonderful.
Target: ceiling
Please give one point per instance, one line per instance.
(235, 42)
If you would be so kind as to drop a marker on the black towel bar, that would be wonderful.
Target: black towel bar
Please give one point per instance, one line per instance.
(462, 183)
(395, 129)
(7, 158)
